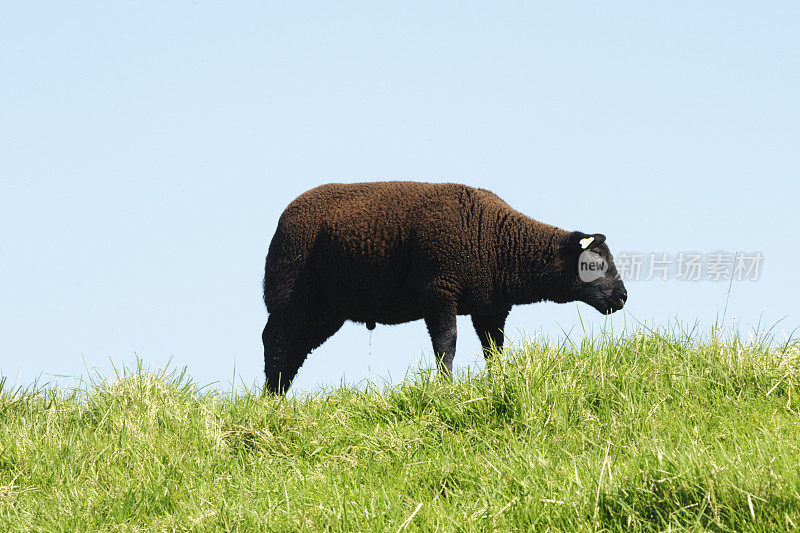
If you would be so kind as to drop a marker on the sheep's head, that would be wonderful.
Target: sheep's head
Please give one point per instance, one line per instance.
(596, 280)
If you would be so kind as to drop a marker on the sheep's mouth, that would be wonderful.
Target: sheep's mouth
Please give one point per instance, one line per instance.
(614, 307)
(609, 304)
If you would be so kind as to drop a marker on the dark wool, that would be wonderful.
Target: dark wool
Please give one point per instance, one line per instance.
(393, 252)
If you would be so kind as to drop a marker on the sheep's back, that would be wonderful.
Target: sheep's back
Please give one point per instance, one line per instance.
(366, 248)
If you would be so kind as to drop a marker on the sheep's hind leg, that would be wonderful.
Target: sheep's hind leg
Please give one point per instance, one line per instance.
(490, 331)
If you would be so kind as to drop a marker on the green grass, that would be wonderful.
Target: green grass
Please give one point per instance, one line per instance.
(652, 431)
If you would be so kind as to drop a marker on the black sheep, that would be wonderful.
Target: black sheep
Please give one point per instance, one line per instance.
(393, 252)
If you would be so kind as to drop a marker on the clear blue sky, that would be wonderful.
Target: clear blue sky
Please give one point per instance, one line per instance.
(147, 150)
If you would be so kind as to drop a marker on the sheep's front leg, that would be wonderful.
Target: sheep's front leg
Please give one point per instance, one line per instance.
(441, 322)
(490, 330)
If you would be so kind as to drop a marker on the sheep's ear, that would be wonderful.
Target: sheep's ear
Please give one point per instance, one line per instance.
(589, 242)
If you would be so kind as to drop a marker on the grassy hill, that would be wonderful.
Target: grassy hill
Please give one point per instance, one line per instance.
(652, 431)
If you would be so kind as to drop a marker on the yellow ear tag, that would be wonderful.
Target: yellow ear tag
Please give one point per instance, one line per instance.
(586, 242)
